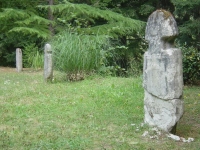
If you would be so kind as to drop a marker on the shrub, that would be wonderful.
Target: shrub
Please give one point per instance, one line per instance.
(121, 60)
(112, 61)
(9, 58)
(33, 57)
(191, 64)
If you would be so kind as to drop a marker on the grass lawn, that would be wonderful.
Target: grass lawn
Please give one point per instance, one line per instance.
(94, 114)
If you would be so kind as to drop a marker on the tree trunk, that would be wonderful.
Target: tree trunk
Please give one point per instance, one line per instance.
(50, 16)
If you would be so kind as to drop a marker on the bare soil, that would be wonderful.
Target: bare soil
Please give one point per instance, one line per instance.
(7, 69)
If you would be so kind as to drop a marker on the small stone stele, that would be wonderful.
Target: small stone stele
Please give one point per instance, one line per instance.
(19, 60)
(48, 63)
(162, 73)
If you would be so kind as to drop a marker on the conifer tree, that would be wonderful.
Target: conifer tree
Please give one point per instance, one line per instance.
(21, 24)
(92, 20)
(188, 17)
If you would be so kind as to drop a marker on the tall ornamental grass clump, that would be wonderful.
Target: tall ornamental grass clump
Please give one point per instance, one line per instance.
(33, 57)
(78, 54)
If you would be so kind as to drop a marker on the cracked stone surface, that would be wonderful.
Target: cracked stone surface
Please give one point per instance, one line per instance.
(162, 72)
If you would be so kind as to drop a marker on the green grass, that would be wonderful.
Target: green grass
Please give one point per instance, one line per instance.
(93, 114)
(75, 53)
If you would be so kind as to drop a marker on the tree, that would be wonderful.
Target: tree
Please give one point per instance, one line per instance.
(50, 16)
(188, 17)
(93, 20)
(21, 24)
(90, 20)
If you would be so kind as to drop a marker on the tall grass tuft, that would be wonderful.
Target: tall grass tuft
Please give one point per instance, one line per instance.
(33, 57)
(75, 54)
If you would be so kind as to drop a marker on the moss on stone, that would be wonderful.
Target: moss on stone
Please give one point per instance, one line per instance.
(166, 14)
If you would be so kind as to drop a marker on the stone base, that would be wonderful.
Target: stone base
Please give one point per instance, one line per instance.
(162, 113)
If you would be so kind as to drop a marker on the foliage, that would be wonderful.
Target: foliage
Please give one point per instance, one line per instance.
(33, 57)
(187, 16)
(191, 64)
(26, 25)
(10, 57)
(76, 54)
(89, 20)
(111, 61)
(122, 60)
(98, 21)
(137, 47)
(25, 22)
(135, 9)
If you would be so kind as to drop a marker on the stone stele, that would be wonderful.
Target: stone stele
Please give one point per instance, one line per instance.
(19, 65)
(48, 63)
(162, 73)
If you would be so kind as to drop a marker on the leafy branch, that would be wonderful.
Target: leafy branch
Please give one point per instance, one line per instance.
(112, 24)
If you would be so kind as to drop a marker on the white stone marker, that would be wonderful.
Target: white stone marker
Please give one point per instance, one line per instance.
(48, 63)
(162, 73)
(19, 60)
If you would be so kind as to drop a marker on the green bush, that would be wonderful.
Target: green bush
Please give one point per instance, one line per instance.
(120, 60)
(112, 61)
(10, 58)
(135, 55)
(33, 57)
(191, 64)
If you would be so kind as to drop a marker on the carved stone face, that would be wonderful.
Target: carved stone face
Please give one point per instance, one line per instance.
(161, 30)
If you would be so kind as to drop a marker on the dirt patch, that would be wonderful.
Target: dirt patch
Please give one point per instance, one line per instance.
(7, 69)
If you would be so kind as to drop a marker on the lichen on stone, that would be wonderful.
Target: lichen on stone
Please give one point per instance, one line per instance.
(166, 14)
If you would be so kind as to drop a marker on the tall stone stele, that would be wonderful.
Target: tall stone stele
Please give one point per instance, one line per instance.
(19, 60)
(48, 63)
(162, 73)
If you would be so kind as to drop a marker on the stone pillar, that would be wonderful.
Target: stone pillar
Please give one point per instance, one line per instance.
(48, 63)
(19, 60)
(162, 73)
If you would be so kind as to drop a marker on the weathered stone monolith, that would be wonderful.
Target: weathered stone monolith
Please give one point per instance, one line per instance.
(162, 73)
(19, 60)
(48, 63)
